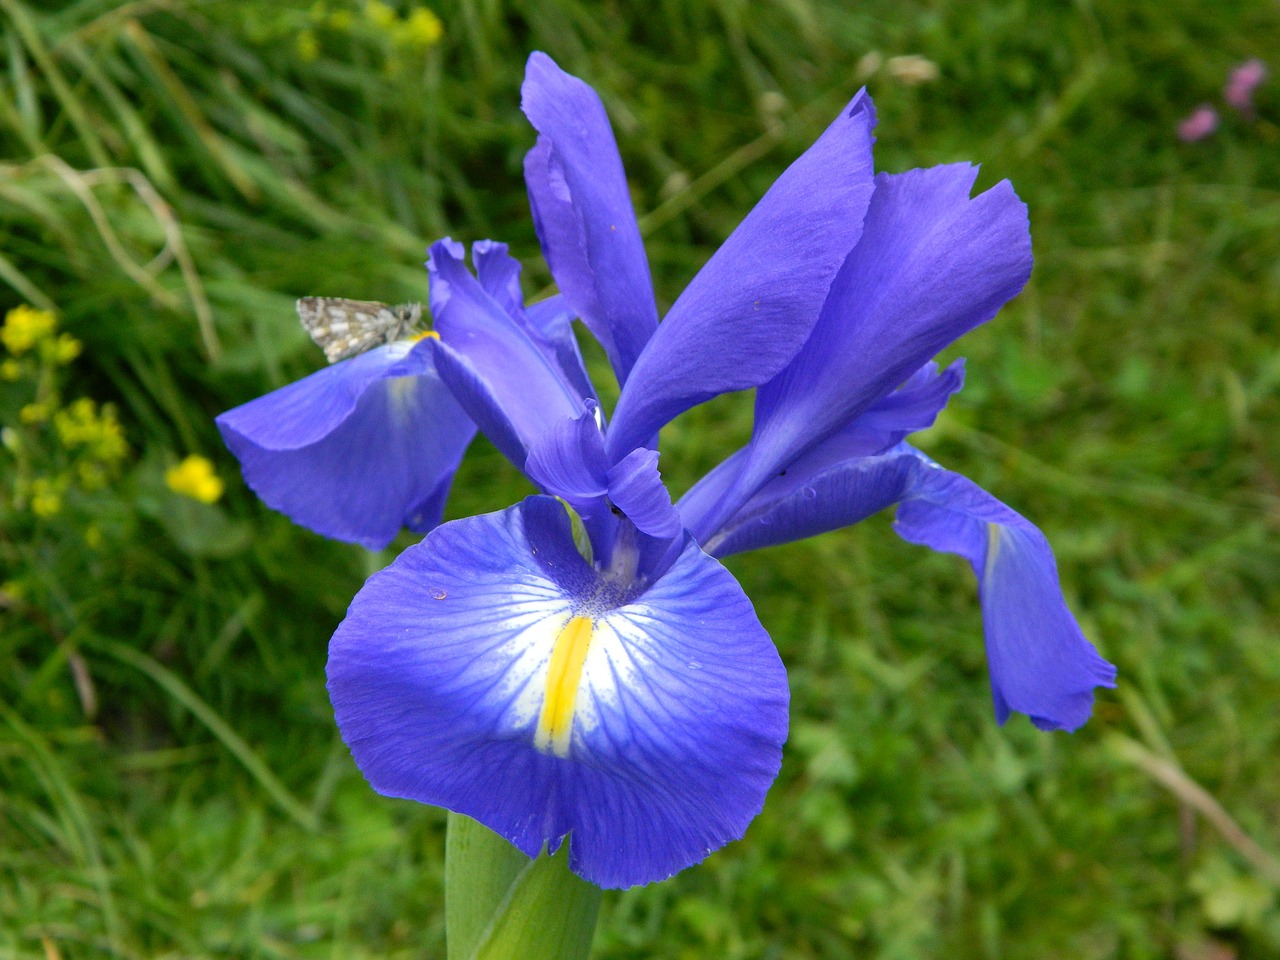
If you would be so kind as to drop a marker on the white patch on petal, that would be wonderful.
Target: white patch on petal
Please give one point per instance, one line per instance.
(512, 671)
(624, 681)
(402, 394)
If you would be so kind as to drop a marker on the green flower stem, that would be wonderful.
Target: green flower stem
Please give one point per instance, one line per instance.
(500, 904)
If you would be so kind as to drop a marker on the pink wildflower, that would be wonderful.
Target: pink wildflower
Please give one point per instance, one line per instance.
(1202, 122)
(1243, 80)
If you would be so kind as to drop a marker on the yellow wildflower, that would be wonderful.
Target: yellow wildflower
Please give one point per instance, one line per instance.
(194, 478)
(381, 15)
(422, 29)
(82, 424)
(340, 20)
(308, 47)
(109, 445)
(10, 370)
(63, 350)
(34, 413)
(78, 423)
(24, 327)
(46, 499)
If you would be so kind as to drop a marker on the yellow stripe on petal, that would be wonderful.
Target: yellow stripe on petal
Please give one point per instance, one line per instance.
(993, 547)
(555, 724)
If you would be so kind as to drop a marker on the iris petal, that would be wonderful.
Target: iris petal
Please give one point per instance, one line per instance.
(530, 388)
(748, 311)
(913, 406)
(513, 371)
(809, 501)
(473, 392)
(931, 265)
(356, 450)
(442, 671)
(568, 461)
(636, 487)
(1040, 662)
(549, 323)
(583, 214)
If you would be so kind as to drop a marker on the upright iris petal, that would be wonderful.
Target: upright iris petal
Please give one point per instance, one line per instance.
(491, 670)
(583, 214)
(748, 311)
(511, 376)
(931, 265)
(358, 449)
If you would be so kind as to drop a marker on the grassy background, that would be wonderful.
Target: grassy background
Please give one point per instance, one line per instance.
(173, 173)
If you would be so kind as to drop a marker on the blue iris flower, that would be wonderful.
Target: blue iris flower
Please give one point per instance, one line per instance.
(616, 688)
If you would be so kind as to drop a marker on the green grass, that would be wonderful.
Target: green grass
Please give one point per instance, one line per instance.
(174, 173)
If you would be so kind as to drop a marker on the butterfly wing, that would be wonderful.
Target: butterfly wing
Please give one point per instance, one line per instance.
(343, 328)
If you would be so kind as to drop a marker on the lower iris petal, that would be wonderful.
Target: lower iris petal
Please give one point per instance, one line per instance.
(492, 671)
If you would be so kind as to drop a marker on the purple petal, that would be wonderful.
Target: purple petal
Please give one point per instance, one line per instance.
(499, 275)
(451, 685)
(474, 394)
(552, 321)
(753, 305)
(568, 461)
(815, 495)
(1243, 81)
(1040, 662)
(1202, 122)
(520, 376)
(549, 323)
(913, 406)
(932, 264)
(583, 214)
(307, 410)
(357, 450)
(636, 487)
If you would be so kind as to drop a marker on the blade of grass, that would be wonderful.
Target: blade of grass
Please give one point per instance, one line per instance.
(30, 292)
(22, 113)
(71, 103)
(190, 110)
(1172, 777)
(149, 153)
(188, 698)
(77, 824)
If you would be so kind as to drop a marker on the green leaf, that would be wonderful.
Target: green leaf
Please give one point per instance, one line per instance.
(501, 904)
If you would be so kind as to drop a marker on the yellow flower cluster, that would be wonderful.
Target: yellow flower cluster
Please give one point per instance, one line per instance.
(419, 29)
(43, 494)
(95, 430)
(90, 440)
(26, 327)
(194, 477)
